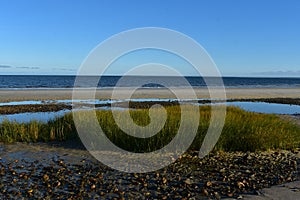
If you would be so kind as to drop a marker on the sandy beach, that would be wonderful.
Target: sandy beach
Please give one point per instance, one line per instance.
(105, 93)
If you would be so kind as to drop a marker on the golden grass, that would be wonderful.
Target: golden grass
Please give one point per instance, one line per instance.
(243, 131)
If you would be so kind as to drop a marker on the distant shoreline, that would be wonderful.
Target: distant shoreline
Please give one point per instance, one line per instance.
(105, 93)
(120, 75)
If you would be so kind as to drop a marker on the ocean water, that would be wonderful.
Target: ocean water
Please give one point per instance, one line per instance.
(23, 82)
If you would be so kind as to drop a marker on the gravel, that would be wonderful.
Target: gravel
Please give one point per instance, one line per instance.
(73, 174)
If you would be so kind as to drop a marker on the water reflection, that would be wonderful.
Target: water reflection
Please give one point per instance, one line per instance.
(38, 116)
(46, 116)
(270, 108)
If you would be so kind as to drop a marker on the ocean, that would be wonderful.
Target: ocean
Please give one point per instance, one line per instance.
(41, 81)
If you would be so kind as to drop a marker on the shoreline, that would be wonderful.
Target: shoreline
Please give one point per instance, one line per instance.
(106, 93)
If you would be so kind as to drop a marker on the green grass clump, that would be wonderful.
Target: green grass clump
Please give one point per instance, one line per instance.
(243, 131)
(249, 131)
(59, 129)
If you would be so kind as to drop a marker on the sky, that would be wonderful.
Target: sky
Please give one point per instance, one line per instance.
(244, 38)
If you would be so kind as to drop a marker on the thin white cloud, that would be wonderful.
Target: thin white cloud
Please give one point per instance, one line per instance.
(28, 67)
(278, 73)
(63, 69)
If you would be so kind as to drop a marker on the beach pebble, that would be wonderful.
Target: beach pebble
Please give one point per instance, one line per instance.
(217, 176)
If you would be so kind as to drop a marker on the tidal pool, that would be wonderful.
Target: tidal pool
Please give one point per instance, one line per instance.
(270, 108)
(260, 107)
(37, 116)
(46, 116)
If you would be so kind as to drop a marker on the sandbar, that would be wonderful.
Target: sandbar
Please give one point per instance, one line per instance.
(106, 93)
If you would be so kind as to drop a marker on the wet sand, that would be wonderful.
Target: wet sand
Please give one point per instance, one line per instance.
(105, 93)
(288, 191)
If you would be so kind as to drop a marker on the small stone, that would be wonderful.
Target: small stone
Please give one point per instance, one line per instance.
(93, 186)
(217, 195)
(101, 193)
(188, 181)
(46, 177)
(240, 184)
(230, 194)
(223, 170)
(205, 192)
(58, 184)
(164, 180)
(208, 184)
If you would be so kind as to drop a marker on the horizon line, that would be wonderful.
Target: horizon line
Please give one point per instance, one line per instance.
(110, 75)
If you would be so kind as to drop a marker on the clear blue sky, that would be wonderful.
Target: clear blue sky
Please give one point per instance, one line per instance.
(244, 38)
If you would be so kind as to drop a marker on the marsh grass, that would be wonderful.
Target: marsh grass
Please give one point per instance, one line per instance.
(243, 131)
(59, 129)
